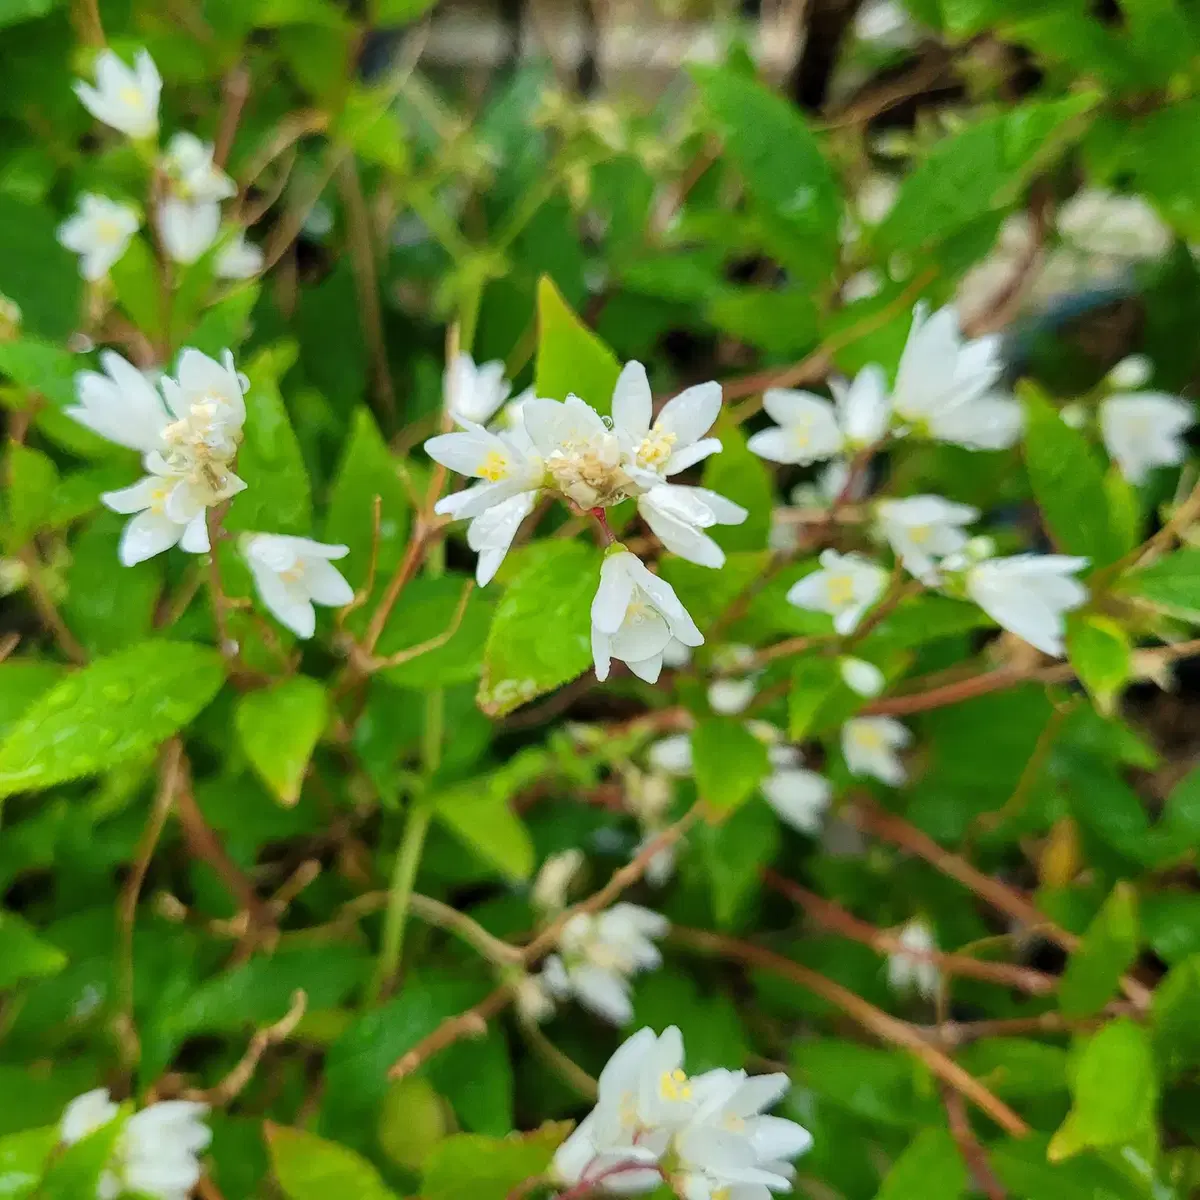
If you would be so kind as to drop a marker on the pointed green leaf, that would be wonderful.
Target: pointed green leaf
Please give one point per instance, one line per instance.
(1107, 950)
(23, 1158)
(570, 357)
(486, 1168)
(307, 1167)
(730, 762)
(278, 728)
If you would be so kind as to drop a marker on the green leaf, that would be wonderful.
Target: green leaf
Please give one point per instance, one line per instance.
(76, 1171)
(814, 680)
(712, 1030)
(778, 156)
(44, 369)
(1173, 1016)
(981, 170)
(1171, 921)
(278, 728)
(1016, 1068)
(307, 1167)
(780, 322)
(734, 854)
(1171, 584)
(1068, 484)
(22, 680)
(413, 1121)
(39, 274)
(367, 470)
(1115, 1092)
(541, 634)
(135, 275)
(369, 123)
(743, 477)
(1098, 649)
(32, 480)
(570, 358)
(226, 325)
(276, 499)
(930, 1166)
(108, 713)
(1107, 950)
(400, 12)
(23, 1158)
(730, 762)
(24, 955)
(487, 1168)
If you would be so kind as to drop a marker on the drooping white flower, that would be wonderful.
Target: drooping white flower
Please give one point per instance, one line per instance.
(156, 1154)
(672, 754)
(294, 573)
(120, 405)
(945, 384)
(798, 796)
(863, 406)
(914, 971)
(238, 258)
(675, 441)
(554, 878)
(191, 173)
(1132, 372)
(99, 231)
(1144, 430)
(730, 1149)
(598, 954)
(870, 745)
(861, 677)
(634, 617)
(491, 533)
(1028, 594)
(678, 515)
(1104, 223)
(188, 227)
(923, 529)
(125, 99)
(643, 1098)
(507, 464)
(845, 587)
(473, 393)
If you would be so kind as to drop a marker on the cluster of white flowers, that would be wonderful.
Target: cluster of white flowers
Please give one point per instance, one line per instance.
(188, 189)
(707, 1136)
(188, 428)
(156, 1151)
(945, 389)
(592, 463)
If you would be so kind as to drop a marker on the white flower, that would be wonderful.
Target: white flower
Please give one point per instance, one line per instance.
(672, 754)
(1144, 430)
(156, 1152)
(909, 971)
(676, 440)
(597, 955)
(1028, 594)
(643, 1097)
(553, 880)
(10, 317)
(583, 457)
(869, 746)
(731, 696)
(729, 1150)
(1103, 223)
(99, 232)
(944, 385)
(923, 529)
(861, 677)
(677, 515)
(845, 587)
(238, 258)
(85, 1114)
(534, 1003)
(294, 573)
(1131, 373)
(472, 394)
(165, 516)
(862, 285)
(810, 428)
(188, 227)
(507, 464)
(676, 655)
(120, 405)
(798, 796)
(123, 98)
(634, 616)
(491, 533)
(191, 172)
(885, 24)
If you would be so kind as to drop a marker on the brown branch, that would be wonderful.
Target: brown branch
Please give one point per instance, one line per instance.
(973, 1154)
(835, 918)
(884, 1026)
(216, 588)
(472, 1023)
(960, 1033)
(236, 90)
(872, 819)
(47, 611)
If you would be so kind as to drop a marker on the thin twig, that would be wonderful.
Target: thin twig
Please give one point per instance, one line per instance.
(472, 1023)
(236, 90)
(434, 643)
(884, 1026)
(47, 610)
(972, 1152)
(565, 1067)
(960, 1033)
(216, 587)
(363, 594)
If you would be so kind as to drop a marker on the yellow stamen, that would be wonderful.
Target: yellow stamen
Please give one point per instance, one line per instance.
(673, 1085)
(840, 590)
(919, 534)
(655, 449)
(494, 467)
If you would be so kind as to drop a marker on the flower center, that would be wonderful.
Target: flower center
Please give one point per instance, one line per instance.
(655, 449)
(131, 96)
(494, 467)
(840, 590)
(802, 434)
(868, 738)
(108, 232)
(590, 473)
(919, 534)
(674, 1085)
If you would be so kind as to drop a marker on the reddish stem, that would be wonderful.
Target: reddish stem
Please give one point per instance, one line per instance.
(602, 521)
